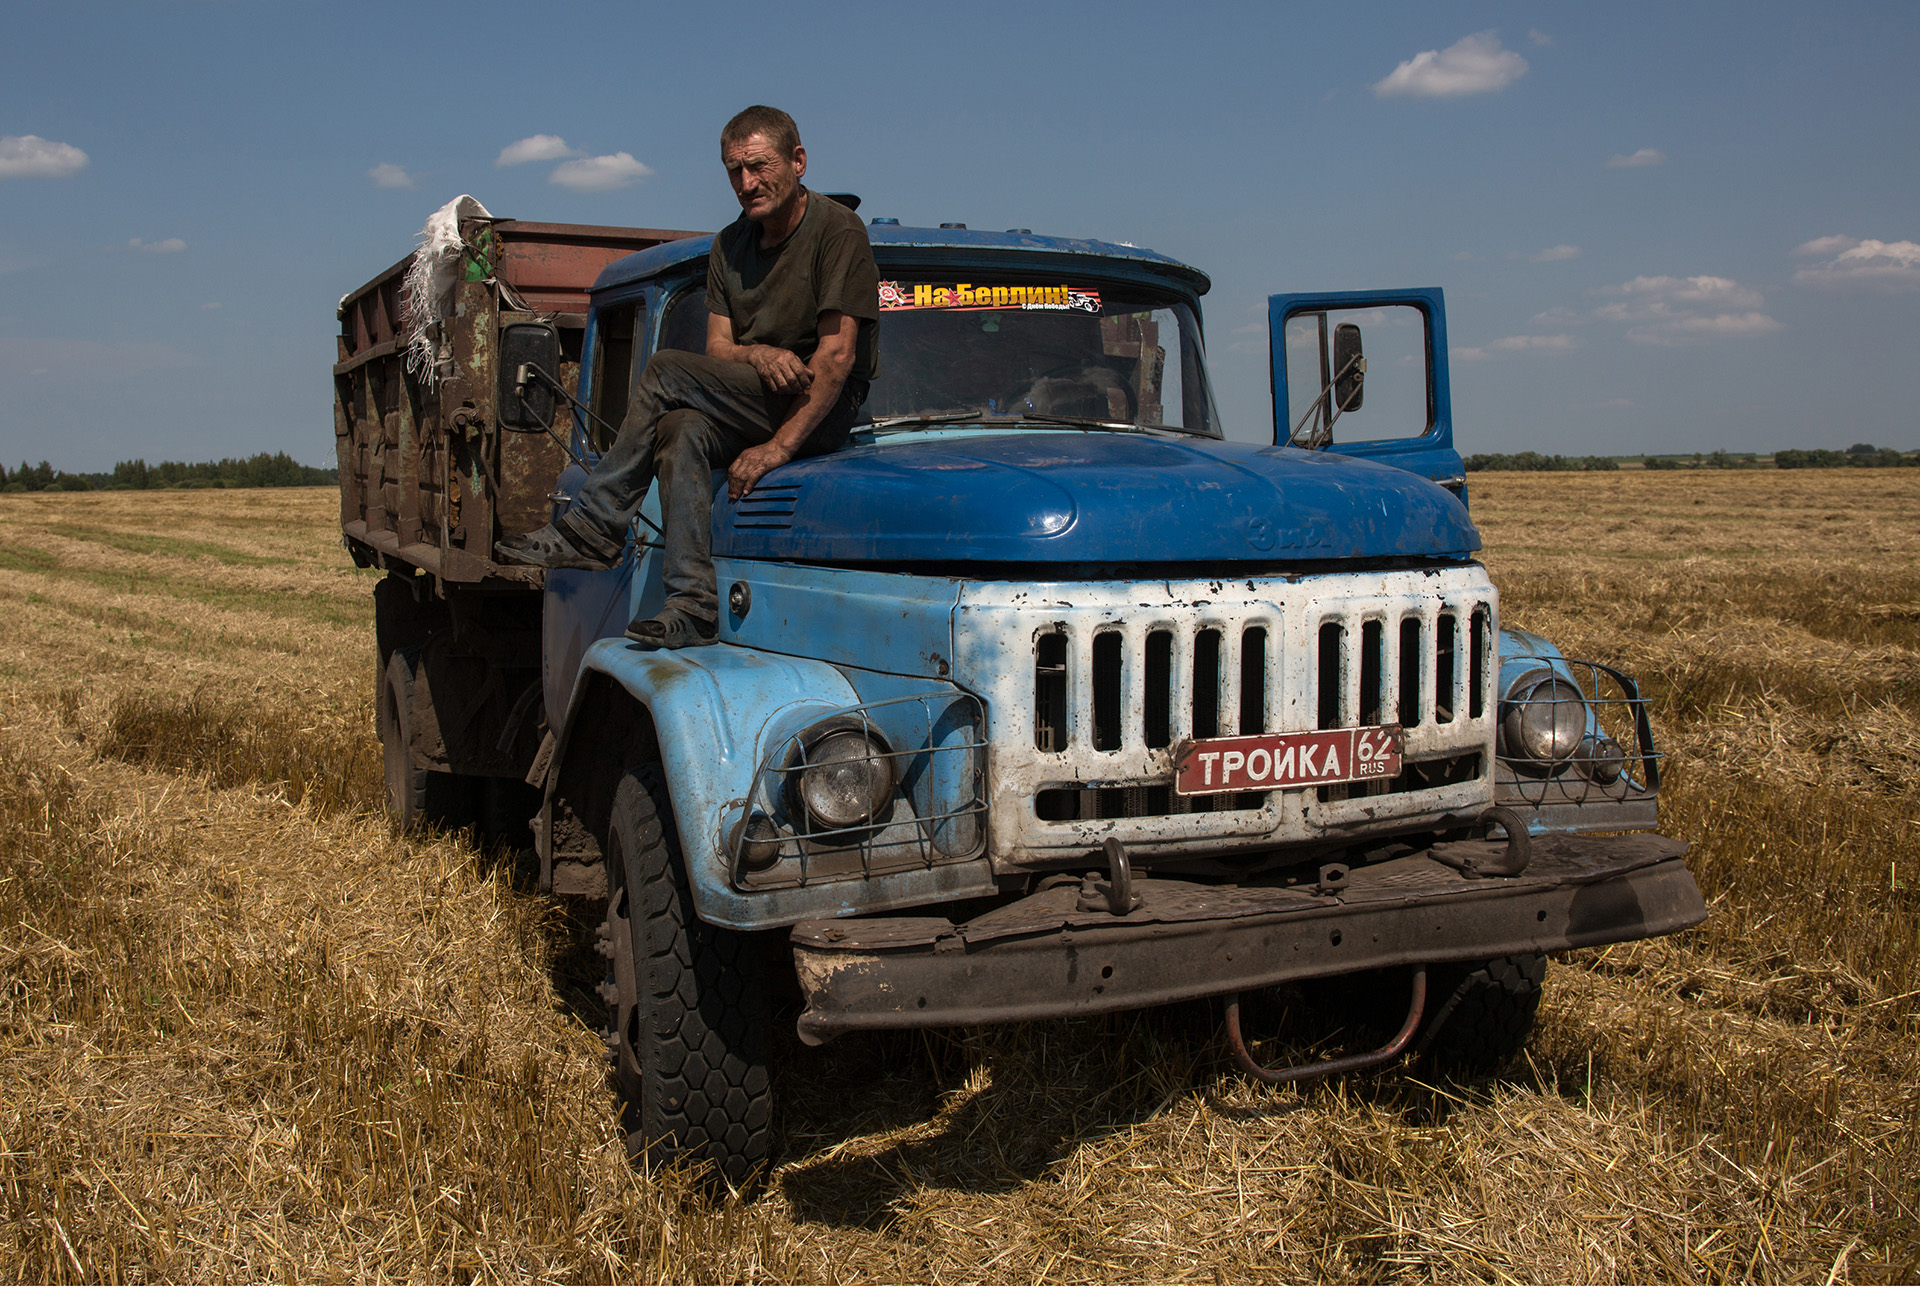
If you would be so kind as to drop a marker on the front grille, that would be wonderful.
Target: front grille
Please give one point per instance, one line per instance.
(1091, 688)
(1120, 688)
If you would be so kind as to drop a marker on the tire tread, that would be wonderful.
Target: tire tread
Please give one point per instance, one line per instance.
(701, 1093)
(1484, 1012)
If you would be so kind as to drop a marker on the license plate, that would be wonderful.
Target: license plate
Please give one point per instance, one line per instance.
(1234, 763)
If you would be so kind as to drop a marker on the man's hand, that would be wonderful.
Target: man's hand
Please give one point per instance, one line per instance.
(781, 371)
(752, 464)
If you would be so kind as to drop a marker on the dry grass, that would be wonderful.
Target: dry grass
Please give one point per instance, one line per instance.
(250, 1035)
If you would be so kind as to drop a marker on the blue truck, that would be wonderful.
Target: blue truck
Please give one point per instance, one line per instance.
(1042, 698)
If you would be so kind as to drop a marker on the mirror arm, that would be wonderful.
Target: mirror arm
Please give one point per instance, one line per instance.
(1294, 434)
(530, 373)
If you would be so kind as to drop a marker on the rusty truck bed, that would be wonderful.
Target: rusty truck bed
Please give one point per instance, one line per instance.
(427, 478)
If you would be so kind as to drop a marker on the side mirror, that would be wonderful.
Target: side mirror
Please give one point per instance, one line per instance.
(525, 402)
(1349, 368)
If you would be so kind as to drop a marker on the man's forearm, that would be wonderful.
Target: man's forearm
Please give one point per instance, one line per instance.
(826, 376)
(811, 407)
(727, 351)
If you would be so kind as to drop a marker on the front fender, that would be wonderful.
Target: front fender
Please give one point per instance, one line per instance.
(713, 709)
(716, 711)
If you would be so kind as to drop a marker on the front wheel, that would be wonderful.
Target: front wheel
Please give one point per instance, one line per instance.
(1481, 1014)
(688, 1027)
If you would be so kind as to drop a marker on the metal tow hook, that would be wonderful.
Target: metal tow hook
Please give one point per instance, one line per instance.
(1118, 898)
(1244, 1060)
(1477, 859)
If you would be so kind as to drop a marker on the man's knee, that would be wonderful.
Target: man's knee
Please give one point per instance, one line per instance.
(684, 436)
(669, 374)
(668, 366)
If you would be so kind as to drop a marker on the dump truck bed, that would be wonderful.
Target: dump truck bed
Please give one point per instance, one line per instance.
(427, 478)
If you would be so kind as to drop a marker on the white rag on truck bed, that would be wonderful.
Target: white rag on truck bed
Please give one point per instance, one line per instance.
(426, 296)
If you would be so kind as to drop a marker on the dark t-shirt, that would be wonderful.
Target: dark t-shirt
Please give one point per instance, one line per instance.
(774, 296)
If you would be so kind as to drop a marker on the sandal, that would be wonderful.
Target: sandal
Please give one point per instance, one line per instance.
(552, 548)
(673, 629)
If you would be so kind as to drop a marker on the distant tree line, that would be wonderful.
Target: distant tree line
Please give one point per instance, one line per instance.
(261, 471)
(1718, 460)
(1860, 455)
(1531, 461)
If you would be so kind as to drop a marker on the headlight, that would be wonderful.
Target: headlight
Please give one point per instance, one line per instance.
(1602, 759)
(755, 840)
(1545, 719)
(842, 777)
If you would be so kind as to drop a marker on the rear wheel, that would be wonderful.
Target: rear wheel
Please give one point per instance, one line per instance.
(416, 796)
(1481, 1013)
(688, 1027)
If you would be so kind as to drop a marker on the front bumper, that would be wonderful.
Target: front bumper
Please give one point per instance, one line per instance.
(1042, 957)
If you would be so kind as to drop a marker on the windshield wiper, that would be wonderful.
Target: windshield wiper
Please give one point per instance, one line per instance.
(930, 419)
(1054, 419)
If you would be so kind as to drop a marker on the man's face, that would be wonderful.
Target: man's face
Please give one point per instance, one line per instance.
(765, 179)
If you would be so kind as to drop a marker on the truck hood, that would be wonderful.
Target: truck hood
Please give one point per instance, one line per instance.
(1096, 496)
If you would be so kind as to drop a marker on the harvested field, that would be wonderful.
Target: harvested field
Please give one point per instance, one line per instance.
(250, 1035)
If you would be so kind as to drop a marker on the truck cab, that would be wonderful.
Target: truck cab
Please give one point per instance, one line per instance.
(1043, 698)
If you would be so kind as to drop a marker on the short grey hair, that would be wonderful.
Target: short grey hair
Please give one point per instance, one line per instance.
(775, 126)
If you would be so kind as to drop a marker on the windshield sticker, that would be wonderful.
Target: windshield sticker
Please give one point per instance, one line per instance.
(980, 296)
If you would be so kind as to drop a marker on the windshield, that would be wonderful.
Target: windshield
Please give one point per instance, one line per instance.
(1051, 352)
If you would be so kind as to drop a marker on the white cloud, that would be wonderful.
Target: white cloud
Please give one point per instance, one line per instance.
(1702, 290)
(1565, 251)
(1831, 245)
(31, 157)
(599, 174)
(1865, 263)
(1539, 37)
(1509, 345)
(535, 148)
(1471, 65)
(1665, 310)
(388, 175)
(1557, 344)
(1639, 157)
(1558, 316)
(211, 305)
(164, 247)
(1463, 255)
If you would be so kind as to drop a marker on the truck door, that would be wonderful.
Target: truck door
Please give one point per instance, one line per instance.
(583, 606)
(1365, 374)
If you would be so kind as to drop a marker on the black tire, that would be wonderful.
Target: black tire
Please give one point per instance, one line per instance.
(688, 1020)
(1481, 1014)
(415, 796)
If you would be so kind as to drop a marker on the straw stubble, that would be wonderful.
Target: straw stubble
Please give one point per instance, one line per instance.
(250, 1034)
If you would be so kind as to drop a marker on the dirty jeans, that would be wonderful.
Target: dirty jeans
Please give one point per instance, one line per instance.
(690, 416)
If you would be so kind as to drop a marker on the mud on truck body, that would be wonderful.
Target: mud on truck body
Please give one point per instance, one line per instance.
(1039, 699)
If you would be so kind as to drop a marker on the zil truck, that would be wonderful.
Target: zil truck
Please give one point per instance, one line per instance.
(1041, 698)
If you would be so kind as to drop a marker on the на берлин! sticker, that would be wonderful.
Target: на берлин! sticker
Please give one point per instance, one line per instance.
(979, 296)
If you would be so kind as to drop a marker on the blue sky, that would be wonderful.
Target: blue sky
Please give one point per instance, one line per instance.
(1660, 227)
